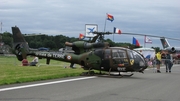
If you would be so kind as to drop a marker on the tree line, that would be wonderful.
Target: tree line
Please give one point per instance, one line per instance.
(56, 42)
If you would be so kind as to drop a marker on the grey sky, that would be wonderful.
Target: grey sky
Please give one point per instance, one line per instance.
(68, 17)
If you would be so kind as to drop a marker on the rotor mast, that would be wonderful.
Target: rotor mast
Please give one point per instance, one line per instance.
(100, 36)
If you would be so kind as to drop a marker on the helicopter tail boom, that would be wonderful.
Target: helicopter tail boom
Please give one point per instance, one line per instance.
(20, 46)
(21, 50)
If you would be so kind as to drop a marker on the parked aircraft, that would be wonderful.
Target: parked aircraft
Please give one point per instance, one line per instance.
(90, 55)
(173, 50)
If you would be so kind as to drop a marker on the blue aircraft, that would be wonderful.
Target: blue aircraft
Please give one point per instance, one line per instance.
(91, 30)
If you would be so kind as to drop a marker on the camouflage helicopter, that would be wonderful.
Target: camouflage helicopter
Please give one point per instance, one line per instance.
(90, 55)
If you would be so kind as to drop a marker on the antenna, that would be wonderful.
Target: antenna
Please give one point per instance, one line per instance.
(1, 35)
(1, 27)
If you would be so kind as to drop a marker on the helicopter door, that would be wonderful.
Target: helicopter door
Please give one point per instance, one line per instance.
(106, 60)
(120, 57)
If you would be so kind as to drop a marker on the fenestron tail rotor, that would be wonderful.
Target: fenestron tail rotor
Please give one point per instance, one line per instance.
(20, 46)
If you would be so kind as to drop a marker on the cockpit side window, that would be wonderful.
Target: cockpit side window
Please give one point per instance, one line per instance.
(115, 54)
(122, 54)
(135, 54)
(119, 54)
(107, 54)
(130, 53)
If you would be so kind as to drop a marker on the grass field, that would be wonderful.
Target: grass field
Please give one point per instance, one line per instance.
(12, 72)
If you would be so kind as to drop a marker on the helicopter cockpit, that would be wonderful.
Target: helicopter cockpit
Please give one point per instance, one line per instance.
(120, 57)
(123, 59)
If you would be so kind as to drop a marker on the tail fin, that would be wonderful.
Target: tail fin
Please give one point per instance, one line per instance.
(20, 46)
(164, 42)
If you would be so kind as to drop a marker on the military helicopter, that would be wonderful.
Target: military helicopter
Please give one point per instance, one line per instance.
(90, 55)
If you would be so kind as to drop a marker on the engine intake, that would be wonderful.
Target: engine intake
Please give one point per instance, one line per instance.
(173, 50)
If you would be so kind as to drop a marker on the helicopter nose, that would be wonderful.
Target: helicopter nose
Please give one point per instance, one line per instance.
(141, 70)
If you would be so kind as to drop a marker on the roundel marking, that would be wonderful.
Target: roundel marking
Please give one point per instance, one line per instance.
(69, 57)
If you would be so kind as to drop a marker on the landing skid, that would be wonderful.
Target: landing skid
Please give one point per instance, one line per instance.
(92, 73)
(129, 75)
(121, 75)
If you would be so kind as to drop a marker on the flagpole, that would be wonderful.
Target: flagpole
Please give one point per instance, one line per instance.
(144, 41)
(1, 27)
(144, 45)
(105, 23)
(113, 37)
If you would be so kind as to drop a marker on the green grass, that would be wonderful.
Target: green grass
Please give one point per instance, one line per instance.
(12, 72)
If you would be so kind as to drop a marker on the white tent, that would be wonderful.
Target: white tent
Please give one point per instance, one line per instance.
(146, 52)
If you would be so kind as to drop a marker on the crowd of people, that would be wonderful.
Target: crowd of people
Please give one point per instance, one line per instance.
(166, 57)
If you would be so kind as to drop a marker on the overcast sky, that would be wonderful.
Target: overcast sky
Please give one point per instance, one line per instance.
(68, 17)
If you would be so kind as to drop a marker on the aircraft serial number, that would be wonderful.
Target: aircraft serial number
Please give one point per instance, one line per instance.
(51, 55)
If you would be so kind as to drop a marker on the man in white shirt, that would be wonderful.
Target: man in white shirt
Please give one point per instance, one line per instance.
(34, 62)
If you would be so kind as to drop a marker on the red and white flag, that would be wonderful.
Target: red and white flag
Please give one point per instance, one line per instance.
(147, 39)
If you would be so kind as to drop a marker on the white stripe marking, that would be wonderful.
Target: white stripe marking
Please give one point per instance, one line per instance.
(47, 83)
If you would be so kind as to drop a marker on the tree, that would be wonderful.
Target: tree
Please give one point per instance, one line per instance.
(56, 42)
(111, 43)
(157, 49)
(7, 38)
(49, 44)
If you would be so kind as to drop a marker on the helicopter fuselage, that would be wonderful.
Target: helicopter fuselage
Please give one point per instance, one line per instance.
(90, 55)
(105, 59)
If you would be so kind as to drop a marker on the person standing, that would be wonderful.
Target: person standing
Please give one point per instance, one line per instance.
(158, 61)
(168, 62)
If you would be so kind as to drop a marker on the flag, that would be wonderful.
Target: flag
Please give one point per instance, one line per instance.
(81, 36)
(135, 42)
(147, 39)
(116, 30)
(110, 17)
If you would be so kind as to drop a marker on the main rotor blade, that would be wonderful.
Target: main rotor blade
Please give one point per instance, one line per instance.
(151, 36)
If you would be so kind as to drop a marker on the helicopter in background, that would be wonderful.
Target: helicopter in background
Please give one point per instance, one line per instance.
(90, 55)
